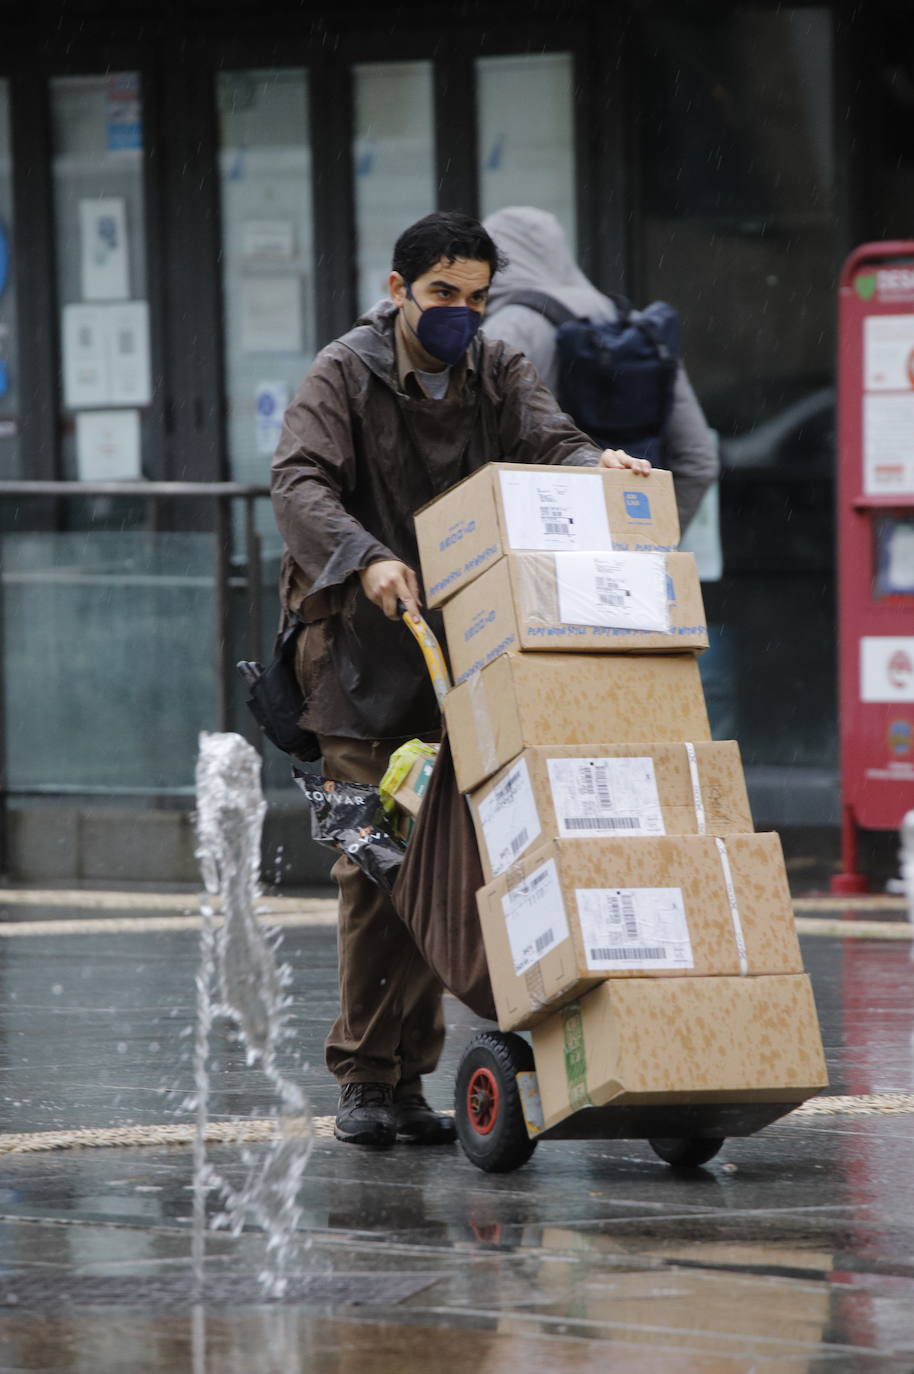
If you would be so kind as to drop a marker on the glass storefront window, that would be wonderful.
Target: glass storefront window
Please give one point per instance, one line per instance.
(106, 379)
(267, 257)
(738, 229)
(393, 162)
(526, 134)
(737, 174)
(9, 448)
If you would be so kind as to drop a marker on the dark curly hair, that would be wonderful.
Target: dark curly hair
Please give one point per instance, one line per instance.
(446, 234)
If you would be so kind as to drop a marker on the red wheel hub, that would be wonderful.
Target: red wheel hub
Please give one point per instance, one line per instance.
(483, 1101)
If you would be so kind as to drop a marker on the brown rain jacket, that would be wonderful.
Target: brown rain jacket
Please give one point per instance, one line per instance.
(362, 448)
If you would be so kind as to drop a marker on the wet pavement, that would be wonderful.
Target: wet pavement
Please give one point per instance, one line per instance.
(793, 1250)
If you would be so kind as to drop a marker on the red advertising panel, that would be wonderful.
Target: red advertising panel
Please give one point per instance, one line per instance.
(876, 542)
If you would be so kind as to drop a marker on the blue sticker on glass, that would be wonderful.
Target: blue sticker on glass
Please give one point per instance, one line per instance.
(899, 737)
(637, 505)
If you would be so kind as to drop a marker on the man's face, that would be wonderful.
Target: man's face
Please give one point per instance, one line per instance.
(465, 281)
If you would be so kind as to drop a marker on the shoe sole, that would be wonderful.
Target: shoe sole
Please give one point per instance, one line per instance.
(364, 1138)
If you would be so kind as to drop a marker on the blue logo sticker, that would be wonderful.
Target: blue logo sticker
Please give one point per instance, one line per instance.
(899, 737)
(637, 505)
(670, 589)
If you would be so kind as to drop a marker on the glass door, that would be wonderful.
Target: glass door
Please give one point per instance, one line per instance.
(99, 215)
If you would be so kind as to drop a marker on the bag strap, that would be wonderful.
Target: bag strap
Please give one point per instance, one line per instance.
(289, 635)
(551, 309)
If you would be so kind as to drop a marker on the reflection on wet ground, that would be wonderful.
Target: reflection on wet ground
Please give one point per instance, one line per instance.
(793, 1250)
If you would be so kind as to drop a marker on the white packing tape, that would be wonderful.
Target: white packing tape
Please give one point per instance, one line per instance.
(734, 909)
(482, 722)
(697, 798)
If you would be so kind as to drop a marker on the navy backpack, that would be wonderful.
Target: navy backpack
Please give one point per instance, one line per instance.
(614, 379)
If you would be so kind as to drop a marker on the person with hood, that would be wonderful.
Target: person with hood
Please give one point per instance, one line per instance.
(539, 259)
(407, 403)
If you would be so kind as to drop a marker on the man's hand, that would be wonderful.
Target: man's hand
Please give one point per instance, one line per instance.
(618, 458)
(388, 582)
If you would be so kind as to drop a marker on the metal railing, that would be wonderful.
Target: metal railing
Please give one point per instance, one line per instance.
(227, 579)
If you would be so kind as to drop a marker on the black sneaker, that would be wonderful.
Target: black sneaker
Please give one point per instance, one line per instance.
(416, 1123)
(365, 1115)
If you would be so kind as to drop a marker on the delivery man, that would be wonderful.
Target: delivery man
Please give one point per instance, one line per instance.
(389, 416)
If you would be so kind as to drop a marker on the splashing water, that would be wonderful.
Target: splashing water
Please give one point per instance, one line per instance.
(240, 980)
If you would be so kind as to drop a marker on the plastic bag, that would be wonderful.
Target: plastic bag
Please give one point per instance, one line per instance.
(348, 816)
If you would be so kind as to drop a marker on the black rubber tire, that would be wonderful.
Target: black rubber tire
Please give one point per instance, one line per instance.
(688, 1152)
(494, 1057)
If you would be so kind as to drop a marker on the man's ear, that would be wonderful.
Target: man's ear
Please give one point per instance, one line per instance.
(396, 288)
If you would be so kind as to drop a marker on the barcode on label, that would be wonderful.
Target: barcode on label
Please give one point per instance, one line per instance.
(611, 599)
(603, 792)
(629, 953)
(519, 841)
(628, 916)
(544, 941)
(602, 823)
(556, 527)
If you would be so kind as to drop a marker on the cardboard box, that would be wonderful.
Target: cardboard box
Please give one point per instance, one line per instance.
(585, 602)
(573, 913)
(696, 1040)
(599, 790)
(411, 792)
(507, 506)
(524, 699)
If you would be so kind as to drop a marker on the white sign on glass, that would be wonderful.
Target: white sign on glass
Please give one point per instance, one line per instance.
(108, 445)
(269, 407)
(103, 249)
(271, 315)
(270, 240)
(106, 355)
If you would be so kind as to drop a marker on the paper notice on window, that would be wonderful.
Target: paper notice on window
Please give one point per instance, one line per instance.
(634, 927)
(624, 591)
(888, 353)
(509, 818)
(271, 314)
(130, 372)
(888, 444)
(552, 510)
(596, 797)
(108, 445)
(535, 917)
(106, 355)
(104, 263)
(85, 356)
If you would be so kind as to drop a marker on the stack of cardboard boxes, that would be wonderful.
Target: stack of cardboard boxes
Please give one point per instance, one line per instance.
(632, 919)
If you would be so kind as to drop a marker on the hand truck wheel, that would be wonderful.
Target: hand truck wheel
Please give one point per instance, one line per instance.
(490, 1120)
(688, 1152)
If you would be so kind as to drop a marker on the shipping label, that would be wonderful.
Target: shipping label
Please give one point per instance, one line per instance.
(535, 916)
(596, 797)
(624, 591)
(552, 510)
(509, 818)
(634, 928)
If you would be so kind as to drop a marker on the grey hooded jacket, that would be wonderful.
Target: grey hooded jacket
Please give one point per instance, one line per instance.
(540, 259)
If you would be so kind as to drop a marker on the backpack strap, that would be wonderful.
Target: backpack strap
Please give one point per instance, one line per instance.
(545, 305)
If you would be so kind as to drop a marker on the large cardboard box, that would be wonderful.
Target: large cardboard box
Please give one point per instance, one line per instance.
(573, 913)
(696, 1040)
(599, 790)
(523, 699)
(596, 602)
(507, 506)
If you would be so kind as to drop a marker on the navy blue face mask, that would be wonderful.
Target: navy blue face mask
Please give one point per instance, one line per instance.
(445, 331)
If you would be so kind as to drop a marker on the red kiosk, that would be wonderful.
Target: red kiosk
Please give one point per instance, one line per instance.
(875, 544)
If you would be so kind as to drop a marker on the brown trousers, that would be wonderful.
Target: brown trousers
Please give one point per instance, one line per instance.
(390, 1028)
